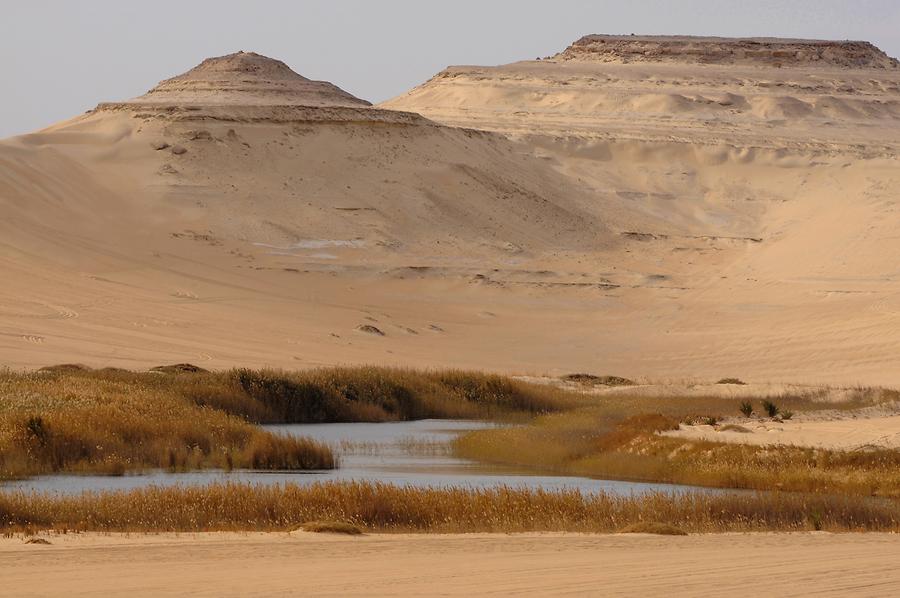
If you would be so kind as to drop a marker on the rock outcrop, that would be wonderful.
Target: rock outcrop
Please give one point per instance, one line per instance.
(724, 50)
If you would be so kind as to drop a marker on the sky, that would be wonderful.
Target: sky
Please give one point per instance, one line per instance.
(63, 57)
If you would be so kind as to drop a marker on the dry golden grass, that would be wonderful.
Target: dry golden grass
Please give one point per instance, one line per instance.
(71, 418)
(387, 508)
(380, 394)
(616, 438)
(113, 423)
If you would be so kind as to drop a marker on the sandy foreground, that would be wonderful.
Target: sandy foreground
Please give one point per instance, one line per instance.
(272, 564)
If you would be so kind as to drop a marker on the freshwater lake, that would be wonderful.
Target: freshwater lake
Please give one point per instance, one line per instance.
(415, 453)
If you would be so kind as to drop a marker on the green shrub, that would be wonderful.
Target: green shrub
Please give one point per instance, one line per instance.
(770, 408)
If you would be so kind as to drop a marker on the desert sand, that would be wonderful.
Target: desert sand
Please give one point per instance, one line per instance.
(849, 431)
(705, 212)
(221, 564)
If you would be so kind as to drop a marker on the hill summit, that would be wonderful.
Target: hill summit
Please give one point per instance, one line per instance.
(247, 78)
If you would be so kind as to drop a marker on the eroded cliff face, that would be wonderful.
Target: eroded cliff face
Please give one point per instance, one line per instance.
(760, 51)
(691, 90)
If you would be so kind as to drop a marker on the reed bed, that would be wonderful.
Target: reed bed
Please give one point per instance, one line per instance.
(74, 423)
(372, 394)
(73, 419)
(386, 508)
(592, 442)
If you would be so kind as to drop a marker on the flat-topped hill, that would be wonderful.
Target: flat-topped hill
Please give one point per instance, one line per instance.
(725, 50)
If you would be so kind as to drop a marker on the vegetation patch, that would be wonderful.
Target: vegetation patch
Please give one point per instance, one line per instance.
(179, 368)
(653, 527)
(592, 380)
(181, 417)
(734, 428)
(112, 423)
(332, 527)
(620, 438)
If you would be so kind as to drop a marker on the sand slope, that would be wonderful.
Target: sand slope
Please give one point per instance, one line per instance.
(777, 184)
(529, 564)
(646, 218)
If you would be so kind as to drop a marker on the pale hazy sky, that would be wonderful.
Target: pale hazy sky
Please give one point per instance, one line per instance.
(63, 57)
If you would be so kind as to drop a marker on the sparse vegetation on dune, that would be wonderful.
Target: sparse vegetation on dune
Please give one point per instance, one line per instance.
(594, 380)
(387, 508)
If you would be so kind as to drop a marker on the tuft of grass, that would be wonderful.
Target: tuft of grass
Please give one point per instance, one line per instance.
(653, 527)
(815, 519)
(737, 381)
(746, 408)
(770, 408)
(592, 380)
(42, 541)
(179, 368)
(388, 508)
(65, 367)
(332, 527)
(735, 428)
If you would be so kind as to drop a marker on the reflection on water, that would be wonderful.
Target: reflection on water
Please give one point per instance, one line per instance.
(402, 453)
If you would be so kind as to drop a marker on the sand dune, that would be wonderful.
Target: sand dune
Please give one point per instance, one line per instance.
(376, 565)
(776, 185)
(655, 217)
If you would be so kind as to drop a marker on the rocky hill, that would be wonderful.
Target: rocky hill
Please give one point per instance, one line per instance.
(766, 51)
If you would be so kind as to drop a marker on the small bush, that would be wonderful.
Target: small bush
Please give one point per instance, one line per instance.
(746, 408)
(332, 527)
(179, 368)
(653, 527)
(731, 381)
(770, 408)
(787, 414)
(815, 519)
(592, 380)
(735, 428)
